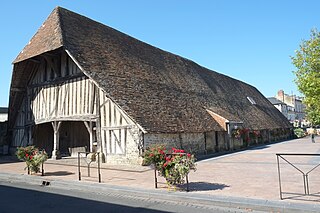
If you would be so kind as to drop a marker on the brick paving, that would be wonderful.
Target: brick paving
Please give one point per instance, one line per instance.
(248, 174)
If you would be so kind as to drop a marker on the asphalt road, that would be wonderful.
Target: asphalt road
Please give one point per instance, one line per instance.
(22, 197)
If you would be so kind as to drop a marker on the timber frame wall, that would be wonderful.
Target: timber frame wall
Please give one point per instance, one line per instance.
(58, 91)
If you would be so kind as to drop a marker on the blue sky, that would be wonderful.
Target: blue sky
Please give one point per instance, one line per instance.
(250, 40)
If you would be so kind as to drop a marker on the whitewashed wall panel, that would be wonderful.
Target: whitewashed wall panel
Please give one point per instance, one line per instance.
(66, 100)
(20, 131)
(116, 127)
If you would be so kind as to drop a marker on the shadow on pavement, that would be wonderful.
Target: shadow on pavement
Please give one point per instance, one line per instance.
(58, 173)
(259, 147)
(4, 159)
(22, 200)
(204, 186)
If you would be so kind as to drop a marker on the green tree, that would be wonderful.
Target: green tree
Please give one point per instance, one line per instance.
(307, 62)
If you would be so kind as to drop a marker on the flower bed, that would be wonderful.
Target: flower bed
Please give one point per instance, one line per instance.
(33, 157)
(173, 165)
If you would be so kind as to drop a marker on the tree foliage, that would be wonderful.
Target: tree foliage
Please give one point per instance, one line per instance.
(307, 62)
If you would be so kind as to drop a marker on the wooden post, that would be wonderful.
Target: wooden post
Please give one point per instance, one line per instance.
(90, 130)
(55, 152)
(98, 124)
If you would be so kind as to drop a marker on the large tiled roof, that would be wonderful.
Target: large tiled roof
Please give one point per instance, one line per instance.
(161, 91)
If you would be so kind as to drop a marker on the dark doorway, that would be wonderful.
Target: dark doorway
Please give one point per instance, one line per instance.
(43, 137)
(71, 134)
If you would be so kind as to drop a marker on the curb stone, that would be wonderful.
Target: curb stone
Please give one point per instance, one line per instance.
(167, 196)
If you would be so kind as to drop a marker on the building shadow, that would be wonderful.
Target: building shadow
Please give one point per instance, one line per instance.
(22, 200)
(5, 159)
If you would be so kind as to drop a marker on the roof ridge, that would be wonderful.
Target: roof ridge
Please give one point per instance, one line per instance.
(47, 38)
(60, 34)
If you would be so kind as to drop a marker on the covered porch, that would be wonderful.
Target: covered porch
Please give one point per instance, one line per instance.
(65, 138)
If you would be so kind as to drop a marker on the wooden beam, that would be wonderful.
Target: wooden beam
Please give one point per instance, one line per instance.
(98, 130)
(117, 127)
(58, 80)
(35, 61)
(66, 118)
(17, 89)
(90, 130)
(56, 127)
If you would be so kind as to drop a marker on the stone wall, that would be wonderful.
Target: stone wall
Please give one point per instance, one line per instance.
(198, 143)
(133, 150)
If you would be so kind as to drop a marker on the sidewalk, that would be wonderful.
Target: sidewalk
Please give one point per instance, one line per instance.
(249, 176)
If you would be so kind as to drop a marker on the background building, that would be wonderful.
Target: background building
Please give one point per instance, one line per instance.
(290, 106)
(3, 114)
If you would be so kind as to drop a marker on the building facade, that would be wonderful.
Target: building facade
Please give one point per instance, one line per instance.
(295, 109)
(81, 84)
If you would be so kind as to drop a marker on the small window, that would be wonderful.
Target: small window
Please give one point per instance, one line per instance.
(251, 100)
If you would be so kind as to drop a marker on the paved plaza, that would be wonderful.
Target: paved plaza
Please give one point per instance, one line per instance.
(250, 173)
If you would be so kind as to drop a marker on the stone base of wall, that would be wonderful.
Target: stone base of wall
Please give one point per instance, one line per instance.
(212, 142)
(196, 143)
(123, 160)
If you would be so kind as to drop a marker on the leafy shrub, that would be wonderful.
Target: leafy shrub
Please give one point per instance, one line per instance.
(299, 133)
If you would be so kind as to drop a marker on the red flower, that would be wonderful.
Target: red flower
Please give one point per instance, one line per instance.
(189, 155)
(165, 164)
(151, 155)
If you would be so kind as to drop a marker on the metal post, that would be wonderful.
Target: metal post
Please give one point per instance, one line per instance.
(79, 172)
(88, 169)
(279, 177)
(42, 170)
(307, 183)
(99, 167)
(187, 183)
(155, 177)
(304, 184)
